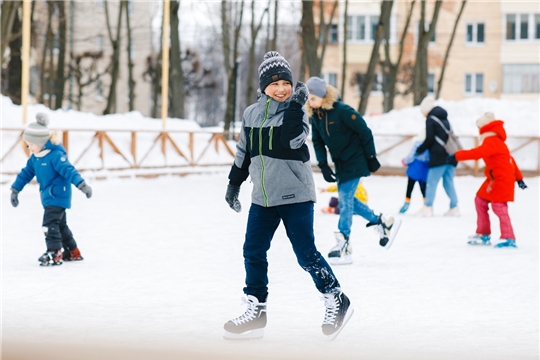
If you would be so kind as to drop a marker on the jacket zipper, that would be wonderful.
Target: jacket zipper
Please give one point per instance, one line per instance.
(271, 136)
(251, 139)
(260, 152)
(326, 123)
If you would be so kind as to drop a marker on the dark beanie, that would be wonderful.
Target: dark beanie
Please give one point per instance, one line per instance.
(274, 68)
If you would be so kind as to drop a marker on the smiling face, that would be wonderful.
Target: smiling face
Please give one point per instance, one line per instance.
(279, 90)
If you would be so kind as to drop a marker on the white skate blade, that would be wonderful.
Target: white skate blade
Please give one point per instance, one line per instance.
(350, 312)
(343, 260)
(395, 229)
(248, 335)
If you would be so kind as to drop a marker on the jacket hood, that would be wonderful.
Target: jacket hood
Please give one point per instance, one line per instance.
(438, 112)
(328, 100)
(50, 146)
(495, 128)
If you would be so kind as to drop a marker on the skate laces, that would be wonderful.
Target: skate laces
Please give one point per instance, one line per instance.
(332, 307)
(249, 315)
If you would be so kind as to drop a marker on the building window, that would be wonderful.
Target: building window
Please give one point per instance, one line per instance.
(475, 33)
(522, 27)
(99, 43)
(331, 79)
(521, 78)
(131, 50)
(431, 83)
(537, 26)
(99, 90)
(474, 84)
(362, 27)
(332, 34)
(99, 4)
(130, 8)
(426, 28)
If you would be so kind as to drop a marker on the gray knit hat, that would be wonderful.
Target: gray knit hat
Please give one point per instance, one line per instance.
(316, 86)
(38, 133)
(274, 68)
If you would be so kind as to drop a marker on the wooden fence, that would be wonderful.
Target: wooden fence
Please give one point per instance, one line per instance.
(192, 147)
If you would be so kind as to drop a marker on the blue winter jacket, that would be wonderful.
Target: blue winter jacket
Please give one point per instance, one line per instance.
(53, 172)
(418, 165)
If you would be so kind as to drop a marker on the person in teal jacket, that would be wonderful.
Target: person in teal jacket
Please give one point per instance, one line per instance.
(339, 129)
(55, 174)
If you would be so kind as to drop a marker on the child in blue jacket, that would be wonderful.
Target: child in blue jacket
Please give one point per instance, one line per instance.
(417, 169)
(54, 173)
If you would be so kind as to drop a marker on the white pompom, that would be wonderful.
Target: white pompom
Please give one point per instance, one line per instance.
(42, 119)
(271, 54)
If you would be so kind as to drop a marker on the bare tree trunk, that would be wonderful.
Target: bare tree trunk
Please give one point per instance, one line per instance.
(420, 88)
(447, 53)
(386, 10)
(14, 67)
(10, 11)
(390, 70)
(50, 73)
(230, 58)
(250, 95)
(46, 45)
(344, 65)
(60, 80)
(177, 74)
(131, 80)
(275, 27)
(115, 61)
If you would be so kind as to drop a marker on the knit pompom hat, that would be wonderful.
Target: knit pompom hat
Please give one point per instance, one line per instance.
(485, 119)
(38, 133)
(427, 105)
(274, 68)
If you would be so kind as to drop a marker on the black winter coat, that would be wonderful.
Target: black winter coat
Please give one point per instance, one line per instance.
(438, 154)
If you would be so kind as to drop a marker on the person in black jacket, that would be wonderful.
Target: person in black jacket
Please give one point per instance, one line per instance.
(340, 129)
(438, 165)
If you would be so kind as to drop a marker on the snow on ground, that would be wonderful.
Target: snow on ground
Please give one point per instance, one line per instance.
(163, 271)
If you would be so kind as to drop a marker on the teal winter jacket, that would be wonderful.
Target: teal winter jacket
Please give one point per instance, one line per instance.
(339, 128)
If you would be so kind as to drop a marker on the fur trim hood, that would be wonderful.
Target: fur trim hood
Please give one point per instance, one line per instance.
(328, 101)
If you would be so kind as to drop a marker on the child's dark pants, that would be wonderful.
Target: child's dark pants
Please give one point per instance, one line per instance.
(57, 233)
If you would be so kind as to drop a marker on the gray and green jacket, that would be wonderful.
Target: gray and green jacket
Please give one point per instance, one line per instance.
(274, 153)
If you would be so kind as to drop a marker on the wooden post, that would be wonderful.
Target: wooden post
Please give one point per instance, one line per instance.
(25, 57)
(65, 139)
(191, 151)
(134, 148)
(165, 63)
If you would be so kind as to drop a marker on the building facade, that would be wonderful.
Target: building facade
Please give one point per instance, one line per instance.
(495, 51)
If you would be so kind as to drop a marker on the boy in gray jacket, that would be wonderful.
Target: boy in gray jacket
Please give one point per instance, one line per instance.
(272, 150)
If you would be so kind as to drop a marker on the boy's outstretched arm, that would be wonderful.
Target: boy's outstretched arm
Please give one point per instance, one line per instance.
(295, 128)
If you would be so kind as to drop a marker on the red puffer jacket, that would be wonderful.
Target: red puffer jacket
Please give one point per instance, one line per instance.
(501, 170)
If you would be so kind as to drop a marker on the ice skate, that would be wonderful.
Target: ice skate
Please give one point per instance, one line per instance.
(72, 255)
(338, 312)
(478, 239)
(453, 212)
(51, 258)
(340, 254)
(426, 211)
(249, 325)
(387, 229)
(404, 208)
(506, 243)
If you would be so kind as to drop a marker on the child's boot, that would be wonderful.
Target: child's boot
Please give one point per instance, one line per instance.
(51, 258)
(340, 254)
(479, 239)
(506, 243)
(72, 255)
(405, 207)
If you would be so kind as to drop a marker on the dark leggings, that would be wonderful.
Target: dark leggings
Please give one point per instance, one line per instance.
(410, 187)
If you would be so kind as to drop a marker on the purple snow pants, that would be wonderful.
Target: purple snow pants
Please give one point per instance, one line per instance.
(501, 210)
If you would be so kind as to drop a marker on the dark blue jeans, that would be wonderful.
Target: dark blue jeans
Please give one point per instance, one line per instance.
(298, 221)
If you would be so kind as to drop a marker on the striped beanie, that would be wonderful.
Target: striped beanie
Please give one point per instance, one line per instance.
(38, 133)
(274, 68)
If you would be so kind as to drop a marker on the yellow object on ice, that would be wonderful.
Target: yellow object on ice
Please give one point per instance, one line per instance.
(361, 193)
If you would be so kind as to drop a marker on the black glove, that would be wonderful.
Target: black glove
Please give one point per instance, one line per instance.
(300, 93)
(231, 197)
(451, 159)
(373, 164)
(327, 173)
(87, 190)
(15, 197)
(521, 184)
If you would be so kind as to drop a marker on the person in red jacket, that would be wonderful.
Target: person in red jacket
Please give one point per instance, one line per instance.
(501, 173)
